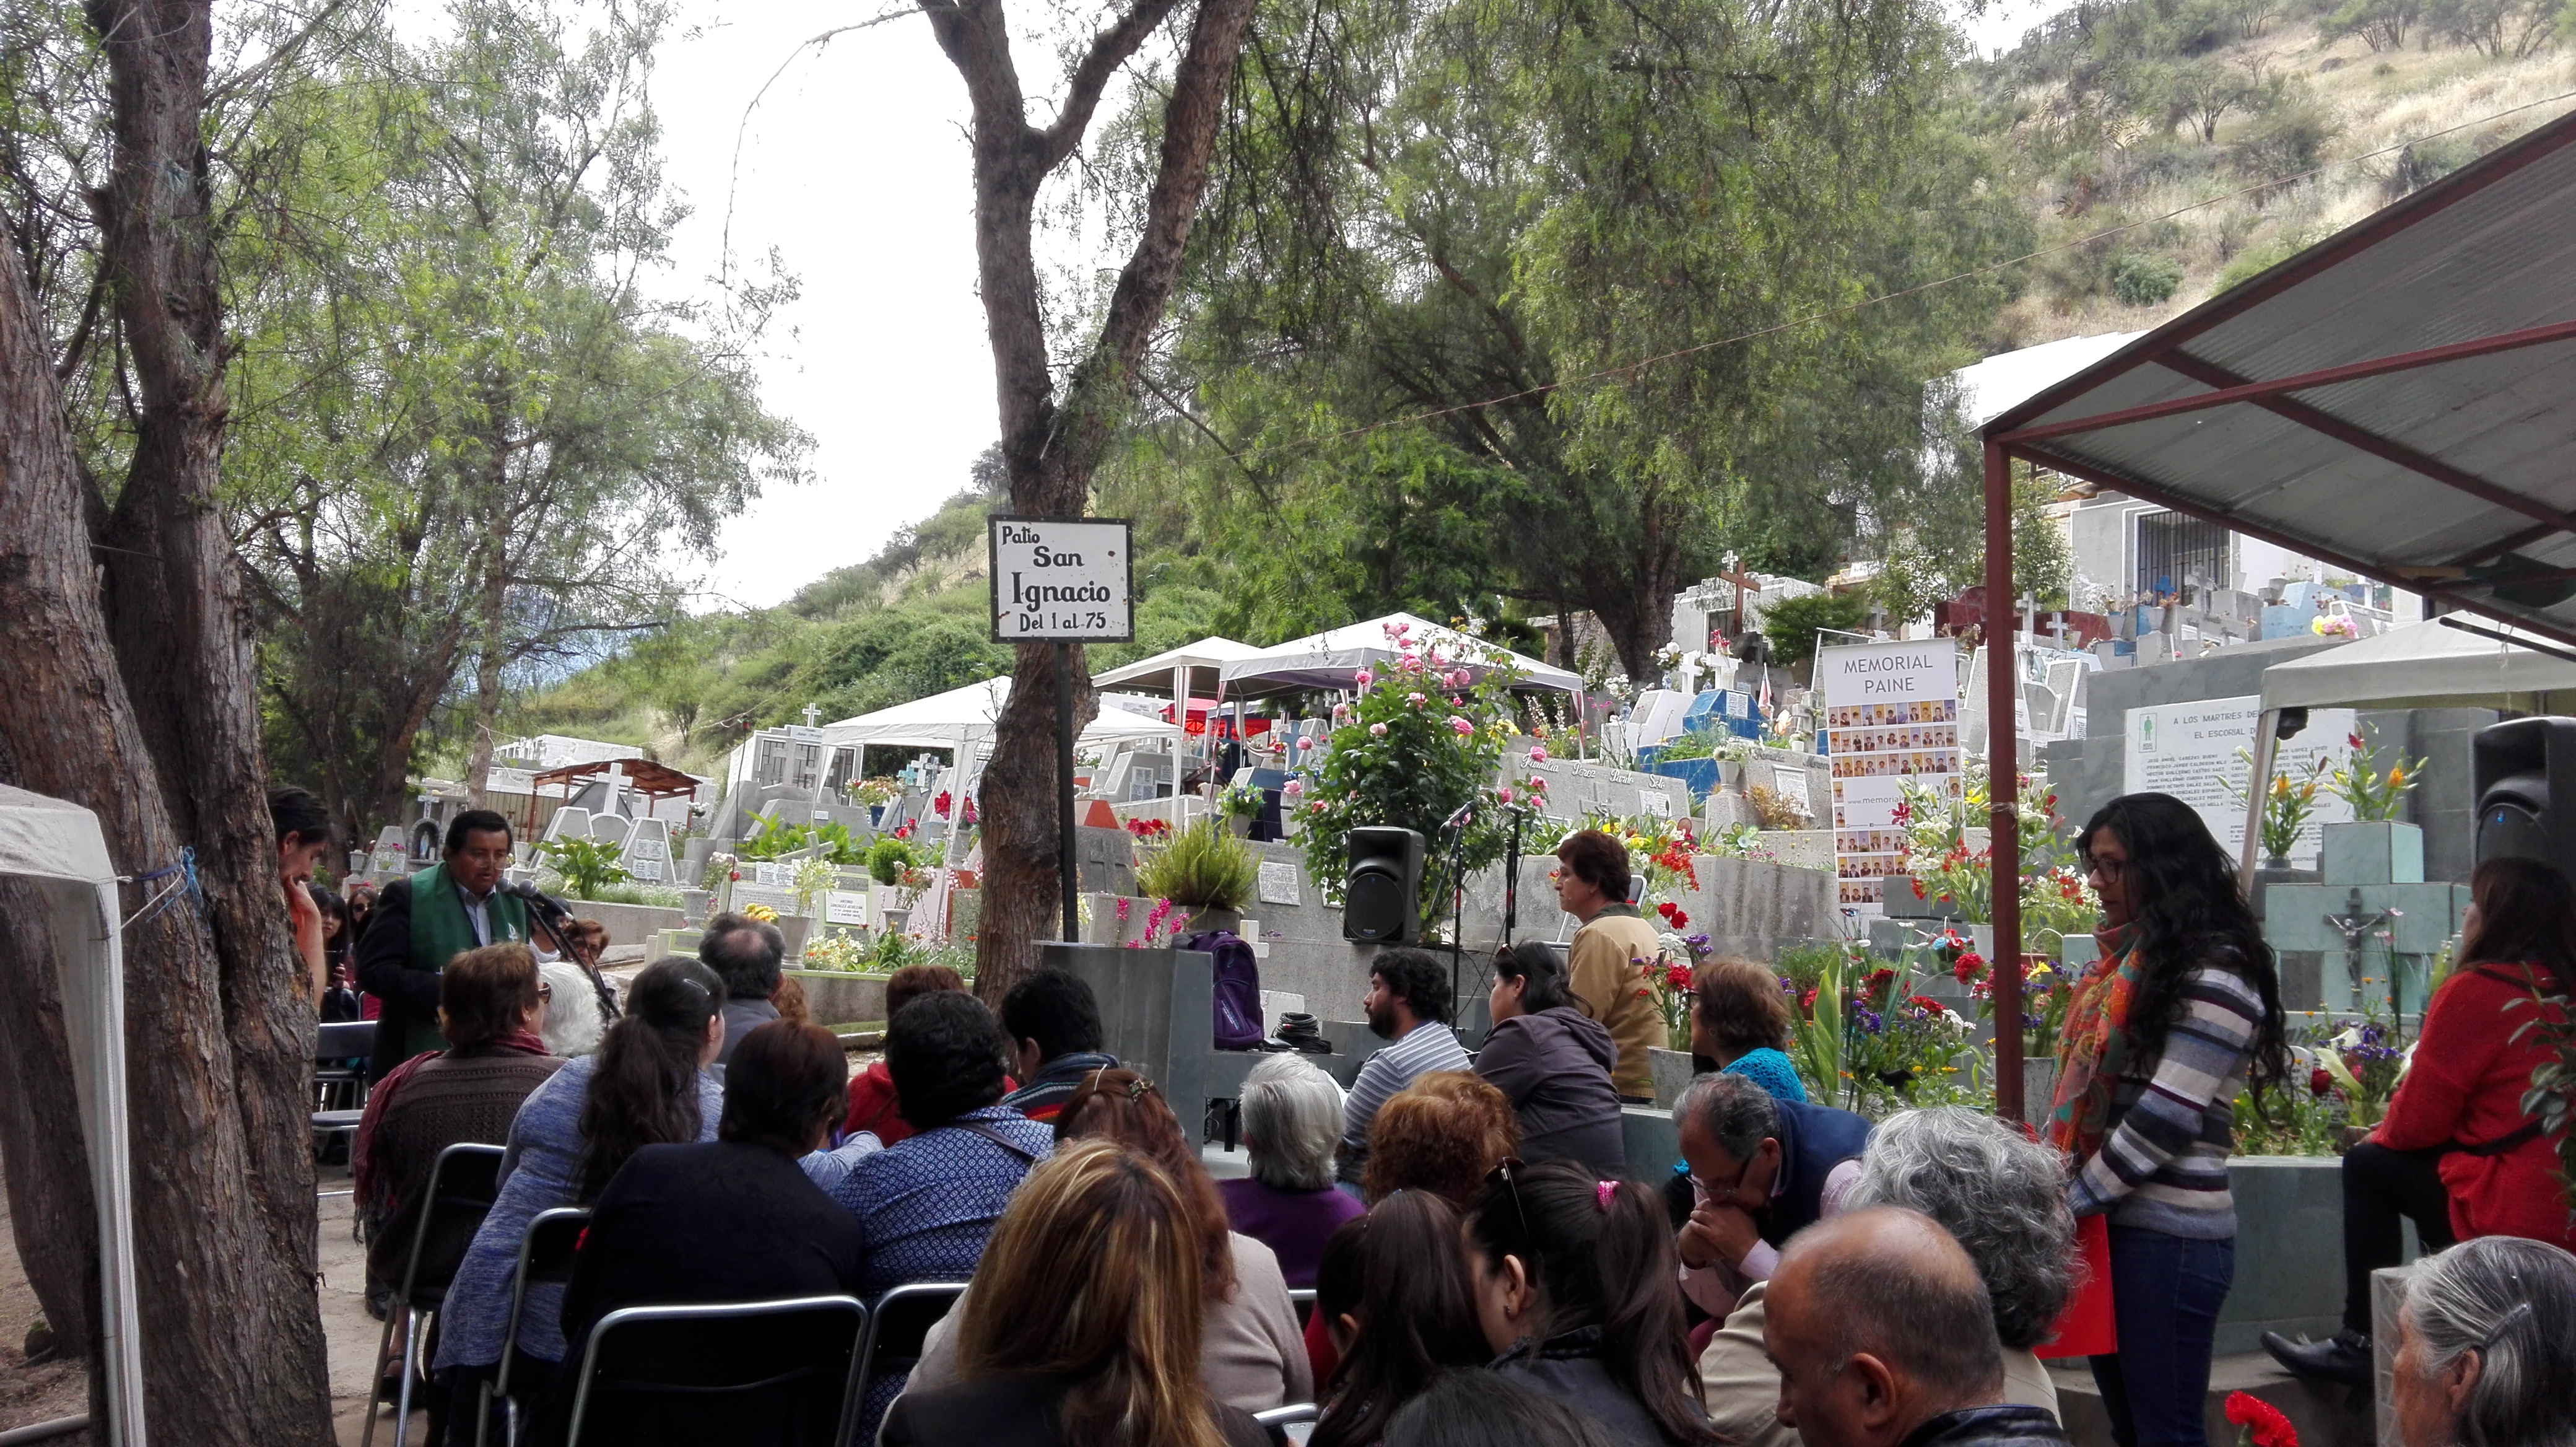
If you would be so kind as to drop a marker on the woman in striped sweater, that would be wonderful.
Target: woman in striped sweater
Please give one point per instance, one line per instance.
(2182, 1009)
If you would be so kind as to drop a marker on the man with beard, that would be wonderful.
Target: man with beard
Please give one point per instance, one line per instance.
(1408, 1004)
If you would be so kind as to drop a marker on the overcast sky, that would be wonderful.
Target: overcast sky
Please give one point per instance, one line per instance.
(854, 168)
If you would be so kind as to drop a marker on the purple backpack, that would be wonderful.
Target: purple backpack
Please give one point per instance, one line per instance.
(1237, 989)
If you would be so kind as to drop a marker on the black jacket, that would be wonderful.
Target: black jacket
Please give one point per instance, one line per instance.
(1569, 1368)
(1554, 1067)
(1999, 1426)
(1014, 1411)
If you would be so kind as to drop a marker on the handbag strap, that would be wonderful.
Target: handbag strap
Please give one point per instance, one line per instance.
(985, 1129)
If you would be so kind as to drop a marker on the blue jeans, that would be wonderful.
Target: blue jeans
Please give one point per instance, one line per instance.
(2165, 1295)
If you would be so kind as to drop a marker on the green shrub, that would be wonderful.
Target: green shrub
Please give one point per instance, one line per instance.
(1791, 625)
(2145, 278)
(776, 840)
(889, 858)
(1203, 866)
(587, 865)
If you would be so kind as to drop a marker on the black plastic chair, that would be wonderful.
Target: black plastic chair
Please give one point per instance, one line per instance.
(546, 1256)
(900, 1321)
(780, 1373)
(459, 1195)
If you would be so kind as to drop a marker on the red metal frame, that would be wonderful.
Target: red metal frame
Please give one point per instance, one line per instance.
(2458, 592)
(2003, 685)
(2244, 391)
(2431, 201)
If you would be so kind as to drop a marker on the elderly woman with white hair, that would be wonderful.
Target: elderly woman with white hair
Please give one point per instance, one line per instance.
(1292, 1118)
(2486, 1347)
(2001, 1194)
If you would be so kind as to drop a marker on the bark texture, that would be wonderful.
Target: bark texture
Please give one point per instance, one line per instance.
(1052, 444)
(51, 1207)
(133, 693)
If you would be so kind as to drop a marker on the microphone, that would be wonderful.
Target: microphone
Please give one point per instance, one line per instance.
(1465, 812)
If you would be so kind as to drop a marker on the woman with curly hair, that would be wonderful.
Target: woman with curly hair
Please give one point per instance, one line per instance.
(1440, 1134)
(2181, 1010)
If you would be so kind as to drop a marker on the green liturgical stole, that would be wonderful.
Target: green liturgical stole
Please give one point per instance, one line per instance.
(440, 932)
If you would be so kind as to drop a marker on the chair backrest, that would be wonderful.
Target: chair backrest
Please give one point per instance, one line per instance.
(901, 1320)
(1278, 1420)
(546, 1255)
(1302, 1300)
(344, 1040)
(773, 1372)
(461, 1186)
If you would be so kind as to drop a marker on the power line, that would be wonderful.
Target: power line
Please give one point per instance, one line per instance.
(1865, 303)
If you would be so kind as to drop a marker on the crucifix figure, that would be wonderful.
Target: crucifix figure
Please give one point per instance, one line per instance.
(2353, 925)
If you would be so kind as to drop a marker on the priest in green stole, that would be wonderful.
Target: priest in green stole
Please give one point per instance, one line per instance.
(421, 923)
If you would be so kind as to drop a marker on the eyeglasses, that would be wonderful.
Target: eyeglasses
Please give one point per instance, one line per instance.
(1503, 1172)
(545, 993)
(2109, 871)
(1732, 1187)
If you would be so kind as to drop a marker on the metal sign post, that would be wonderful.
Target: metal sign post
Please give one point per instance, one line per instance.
(1062, 581)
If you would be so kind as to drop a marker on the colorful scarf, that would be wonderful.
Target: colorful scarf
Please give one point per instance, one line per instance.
(2093, 1047)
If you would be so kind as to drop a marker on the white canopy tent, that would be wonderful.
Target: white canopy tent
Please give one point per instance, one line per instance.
(1162, 674)
(2435, 664)
(1330, 658)
(965, 716)
(58, 846)
(2446, 662)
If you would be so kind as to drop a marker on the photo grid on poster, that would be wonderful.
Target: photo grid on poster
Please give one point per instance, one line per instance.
(1891, 720)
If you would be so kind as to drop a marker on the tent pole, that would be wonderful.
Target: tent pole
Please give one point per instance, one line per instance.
(112, 1177)
(2258, 780)
(2003, 776)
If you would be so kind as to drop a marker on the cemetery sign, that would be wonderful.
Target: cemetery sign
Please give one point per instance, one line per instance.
(1891, 718)
(1061, 580)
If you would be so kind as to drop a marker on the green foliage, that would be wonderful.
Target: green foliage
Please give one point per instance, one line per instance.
(587, 865)
(1416, 745)
(1200, 867)
(889, 859)
(1791, 624)
(2143, 278)
(777, 840)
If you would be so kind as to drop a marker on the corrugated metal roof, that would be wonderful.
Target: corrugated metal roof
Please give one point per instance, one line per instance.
(2447, 477)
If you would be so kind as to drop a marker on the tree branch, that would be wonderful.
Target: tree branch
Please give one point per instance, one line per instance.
(1110, 49)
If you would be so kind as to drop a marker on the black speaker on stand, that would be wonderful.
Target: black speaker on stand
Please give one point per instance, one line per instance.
(2525, 773)
(1382, 894)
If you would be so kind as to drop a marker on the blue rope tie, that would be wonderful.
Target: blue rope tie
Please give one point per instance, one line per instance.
(186, 885)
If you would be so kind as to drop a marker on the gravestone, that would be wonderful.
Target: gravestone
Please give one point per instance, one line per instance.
(2374, 920)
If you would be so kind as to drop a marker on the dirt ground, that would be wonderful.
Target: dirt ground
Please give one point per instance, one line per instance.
(32, 1394)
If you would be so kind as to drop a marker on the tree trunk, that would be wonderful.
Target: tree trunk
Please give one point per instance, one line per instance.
(139, 702)
(487, 677)
(1050, 450)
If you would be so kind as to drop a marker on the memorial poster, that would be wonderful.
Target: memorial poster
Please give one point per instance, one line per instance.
(2189, 750)
(1891, 715)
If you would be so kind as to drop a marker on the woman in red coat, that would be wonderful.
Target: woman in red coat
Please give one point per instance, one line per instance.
(2456, 1153)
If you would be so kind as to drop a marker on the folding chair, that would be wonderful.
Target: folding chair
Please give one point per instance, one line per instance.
(901, 1321)
(898, 1323)
(1278, 1420)
(339, 1089)
(545, 1258)
(780, 1373)
(460, 1190)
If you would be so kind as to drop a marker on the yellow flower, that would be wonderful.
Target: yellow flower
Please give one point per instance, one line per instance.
(2397, 777)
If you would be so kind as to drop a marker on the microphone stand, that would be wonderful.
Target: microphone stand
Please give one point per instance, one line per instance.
(1458, 898)
(1512, 878)
(545, 912)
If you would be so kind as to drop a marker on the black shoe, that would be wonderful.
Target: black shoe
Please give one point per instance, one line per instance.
(2345, 1358)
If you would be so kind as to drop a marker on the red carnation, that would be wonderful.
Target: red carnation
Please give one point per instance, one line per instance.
(1678, 976)
(2320, 1081)
(2264, 1424)
(1969, 963)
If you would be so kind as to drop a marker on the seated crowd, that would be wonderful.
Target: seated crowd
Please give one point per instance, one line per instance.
(1485, 1265)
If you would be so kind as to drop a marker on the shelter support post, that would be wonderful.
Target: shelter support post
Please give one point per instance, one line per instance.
(1064, 841)
(93, 981)
(2258, 781)
(2003, 792)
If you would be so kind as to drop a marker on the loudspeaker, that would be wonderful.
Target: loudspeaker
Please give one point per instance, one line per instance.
(1382, 895)
(2525, 773)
